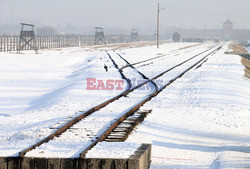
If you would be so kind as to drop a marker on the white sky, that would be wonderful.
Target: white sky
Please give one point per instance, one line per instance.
(128, 13)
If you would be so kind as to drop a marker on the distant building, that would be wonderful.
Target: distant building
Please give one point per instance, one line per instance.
(225, 34)
(200, 34)
(176, 37)
(241, 35)
(228, 30)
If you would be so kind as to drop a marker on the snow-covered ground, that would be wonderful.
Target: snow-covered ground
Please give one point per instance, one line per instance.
(41, 91)
(200, 121)
(248, 48)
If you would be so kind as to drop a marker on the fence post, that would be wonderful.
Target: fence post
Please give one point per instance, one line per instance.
(18, 39)
(7, 42)
(79, 40)
(47, 39)
(1, 43)
(50, 42)
(4, 43)
(46, 42)
(34, 42)
(40, 41)
(57, 41)
(11, 43)
(14, 42)
(60, 41)
(67, 41)
(63, 40)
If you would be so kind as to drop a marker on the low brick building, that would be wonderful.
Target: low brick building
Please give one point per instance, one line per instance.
(226, 33)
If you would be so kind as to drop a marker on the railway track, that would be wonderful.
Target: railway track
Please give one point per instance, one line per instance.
(89, 122)
(162, 56)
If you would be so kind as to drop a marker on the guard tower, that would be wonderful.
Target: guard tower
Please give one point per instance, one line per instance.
(134, 35)
(227, 30)
(99, 36)
(27, 37)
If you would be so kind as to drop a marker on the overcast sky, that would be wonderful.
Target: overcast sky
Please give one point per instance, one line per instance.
(128, 13)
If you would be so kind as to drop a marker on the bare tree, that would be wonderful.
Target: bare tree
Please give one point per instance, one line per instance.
(47, 30)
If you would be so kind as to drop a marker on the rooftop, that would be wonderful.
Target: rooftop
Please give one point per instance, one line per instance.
(228, 22)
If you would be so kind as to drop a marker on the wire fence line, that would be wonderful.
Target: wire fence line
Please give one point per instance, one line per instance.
(11, 42)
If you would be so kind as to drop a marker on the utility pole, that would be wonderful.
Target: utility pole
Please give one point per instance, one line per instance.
(158, 23)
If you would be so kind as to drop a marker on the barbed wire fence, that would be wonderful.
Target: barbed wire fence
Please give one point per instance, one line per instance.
(10, 43)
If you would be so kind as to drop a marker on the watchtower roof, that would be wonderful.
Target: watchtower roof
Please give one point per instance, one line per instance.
(228, 22)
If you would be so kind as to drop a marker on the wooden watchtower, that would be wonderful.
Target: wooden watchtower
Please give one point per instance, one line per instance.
(27, 37)
(134, 35)
(99, 36)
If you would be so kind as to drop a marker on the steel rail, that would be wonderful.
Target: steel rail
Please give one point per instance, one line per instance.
(157, 57)
(81, 116)
(138, 105)
(130, 65)
(161, 74)
(98, 107)
(85, 114)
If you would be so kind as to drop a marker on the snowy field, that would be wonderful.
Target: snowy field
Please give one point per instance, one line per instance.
(200, 121)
